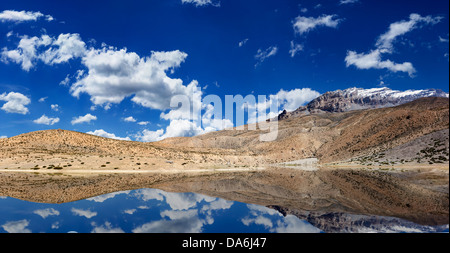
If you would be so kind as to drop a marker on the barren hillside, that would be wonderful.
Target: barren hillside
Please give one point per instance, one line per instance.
(330, 137)
(335, 137)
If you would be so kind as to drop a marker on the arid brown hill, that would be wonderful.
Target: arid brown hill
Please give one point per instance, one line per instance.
(330, 137)
(336, 136)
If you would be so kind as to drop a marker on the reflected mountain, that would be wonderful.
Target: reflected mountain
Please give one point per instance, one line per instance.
(273, 200)
(157, 211)
(145, 211)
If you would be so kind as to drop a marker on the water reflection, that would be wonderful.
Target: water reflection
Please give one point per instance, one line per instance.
(145, 211)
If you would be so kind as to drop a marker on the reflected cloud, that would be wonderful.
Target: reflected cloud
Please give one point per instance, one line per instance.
(275, 222)
(177, 201)
(217, 204)
(104, 197)
(179, 222)
(85, 213)
(19, 226)
(157, 211)
(129, 211)
(44, 213)
(105, 228)
(292, 224)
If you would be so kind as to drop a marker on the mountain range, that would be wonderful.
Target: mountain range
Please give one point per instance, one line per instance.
(359, 98)
(374, 127)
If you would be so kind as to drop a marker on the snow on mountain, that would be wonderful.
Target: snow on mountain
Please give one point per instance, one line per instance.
(359, 98)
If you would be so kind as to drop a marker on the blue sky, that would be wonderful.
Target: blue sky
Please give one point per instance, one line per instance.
(111, 67)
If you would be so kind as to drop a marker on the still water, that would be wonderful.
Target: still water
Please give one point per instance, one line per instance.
(157, 211)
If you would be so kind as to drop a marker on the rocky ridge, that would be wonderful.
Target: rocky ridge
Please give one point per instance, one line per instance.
(358, 99)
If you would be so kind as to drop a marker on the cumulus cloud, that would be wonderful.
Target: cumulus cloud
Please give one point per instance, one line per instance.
(293, 99)
(103, 133)
(176, 128)
(262, 55)
(83, 119)
(304, 25)
(286, 100)
(199, 3)
(185, 123)
(22, 16)
(373, 60)
(115, 74)
(15, 102)
(47, 49)
(129, 119)
(44, 120)
(385, 45)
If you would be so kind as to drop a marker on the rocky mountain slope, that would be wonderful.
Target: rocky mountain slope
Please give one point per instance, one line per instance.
(332, 137)
(358, 98)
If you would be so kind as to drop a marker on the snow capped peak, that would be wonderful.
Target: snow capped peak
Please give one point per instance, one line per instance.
(385, 92)
(359, 98)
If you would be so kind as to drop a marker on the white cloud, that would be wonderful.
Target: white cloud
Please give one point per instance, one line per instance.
(143, 123)
(102, 198)
(262, 55)
(199, 3)
(46, 49)
(386, 40)
(84, 213)
(44, 213)
(444, 40)
(103, 133)
(183, 123)
(177, 222)
(293, 99)
(295, 48)
(176, 128)
(348, 1)
(150, 136)
(385, 45)
(260, 215)
(15, 103)
(286, 100)
(55, 107)
(44, 120)
(3, 137)
(305, 24)
(242, 43)
(64, 48)
(106, 228)
(129, 119)
(115, 74)
(373, 60)
(22, 16)
(83, 119)
(41, 100)
(17, 226)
